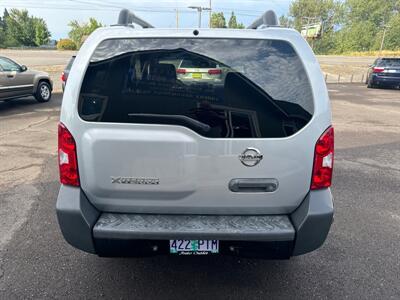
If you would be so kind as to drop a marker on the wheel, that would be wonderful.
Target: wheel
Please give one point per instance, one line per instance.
(43, 92)
(371, 85)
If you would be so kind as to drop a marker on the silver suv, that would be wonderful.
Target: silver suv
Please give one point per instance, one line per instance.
(154, 164)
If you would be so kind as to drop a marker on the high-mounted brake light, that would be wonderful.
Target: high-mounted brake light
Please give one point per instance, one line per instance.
(181, 71)
(323, 161)
(214, 71)
(378, 70)
(67, 158)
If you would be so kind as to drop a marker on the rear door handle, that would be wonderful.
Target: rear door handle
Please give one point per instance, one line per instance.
(253, 185)
(10, 76)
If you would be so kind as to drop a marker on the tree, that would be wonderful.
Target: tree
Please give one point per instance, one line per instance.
(233, 22)
(81, 30)
(218, 20)
(365, 21)
(21, 27)
(42, 34)
(392, 39)
(18, 28)
(327, 12)
(285, 21)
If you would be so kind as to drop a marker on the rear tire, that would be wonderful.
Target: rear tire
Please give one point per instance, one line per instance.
(370, 85)
(43, 92)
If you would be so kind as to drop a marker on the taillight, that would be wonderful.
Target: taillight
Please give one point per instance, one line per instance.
(63, 77)
(378, 70)
(181, 71)
(323, 161)
(214, 71)
(67, 158)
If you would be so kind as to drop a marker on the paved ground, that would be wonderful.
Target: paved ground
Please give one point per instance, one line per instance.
(360, 259)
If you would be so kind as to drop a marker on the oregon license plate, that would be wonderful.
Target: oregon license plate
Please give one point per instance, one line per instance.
(193, 247)
(197, 75)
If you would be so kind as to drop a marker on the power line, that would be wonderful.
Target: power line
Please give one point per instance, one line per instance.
(98, 5)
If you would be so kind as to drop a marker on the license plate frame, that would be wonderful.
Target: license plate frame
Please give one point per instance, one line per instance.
(194, 247)
(197, 75)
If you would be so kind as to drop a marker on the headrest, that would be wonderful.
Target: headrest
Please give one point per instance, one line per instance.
(162, 72)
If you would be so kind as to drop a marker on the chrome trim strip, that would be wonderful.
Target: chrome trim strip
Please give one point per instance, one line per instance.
(16, 86)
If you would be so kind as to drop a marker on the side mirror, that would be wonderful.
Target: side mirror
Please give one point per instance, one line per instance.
(24, 68)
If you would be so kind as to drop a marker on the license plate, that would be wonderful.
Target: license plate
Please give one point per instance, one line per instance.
(197, 75)
(193, 247)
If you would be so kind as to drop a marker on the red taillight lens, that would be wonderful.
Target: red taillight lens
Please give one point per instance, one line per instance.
(63, 77)
(378, 70)
(323, 161)
(181, 71)
(67, 158)
(215, 72)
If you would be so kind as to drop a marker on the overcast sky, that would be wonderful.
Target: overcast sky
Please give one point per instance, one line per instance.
(160, 13)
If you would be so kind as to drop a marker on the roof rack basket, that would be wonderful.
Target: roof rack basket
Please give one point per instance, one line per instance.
(128, 18)
(268, 19)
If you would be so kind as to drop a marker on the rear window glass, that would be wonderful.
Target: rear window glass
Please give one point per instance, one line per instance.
(219, 88)
(389, 62)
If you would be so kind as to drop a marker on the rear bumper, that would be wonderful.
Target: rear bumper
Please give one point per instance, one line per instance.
(385, 80)
(272, 236)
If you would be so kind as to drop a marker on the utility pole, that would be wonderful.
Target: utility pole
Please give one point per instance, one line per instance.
(383, 39)
(209, 23)
(308, 27)
(199, 10)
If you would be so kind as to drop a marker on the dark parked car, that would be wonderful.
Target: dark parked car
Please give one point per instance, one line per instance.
(17, 81)
(384, 72)
(65, 73)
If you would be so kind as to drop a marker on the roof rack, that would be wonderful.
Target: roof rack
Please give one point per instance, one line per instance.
(128, 18)
(268, 19)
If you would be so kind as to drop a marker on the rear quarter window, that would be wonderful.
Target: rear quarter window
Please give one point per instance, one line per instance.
(219, 88)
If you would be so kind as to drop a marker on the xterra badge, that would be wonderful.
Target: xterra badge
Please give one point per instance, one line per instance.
(132, 180)
(251, 157)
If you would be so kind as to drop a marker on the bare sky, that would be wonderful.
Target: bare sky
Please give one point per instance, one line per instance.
(161, 13)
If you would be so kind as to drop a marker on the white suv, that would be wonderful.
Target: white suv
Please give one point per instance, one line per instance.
(152, 165)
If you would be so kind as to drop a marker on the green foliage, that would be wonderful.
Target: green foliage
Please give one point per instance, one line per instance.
(233, 22)
(392, 40)
(80, 31)
(286, 22)
(18, 28)
(21, 27)
(218, 20)
(42, 34)
(66, 44)
(348, 25)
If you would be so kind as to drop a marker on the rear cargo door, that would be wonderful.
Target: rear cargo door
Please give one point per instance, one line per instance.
(156, 142)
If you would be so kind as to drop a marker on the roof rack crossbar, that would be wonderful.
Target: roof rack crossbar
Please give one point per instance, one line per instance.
(269, 18)
(126, 17)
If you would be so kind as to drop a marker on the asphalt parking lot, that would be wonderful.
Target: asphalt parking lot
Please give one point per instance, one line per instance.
(360, 259)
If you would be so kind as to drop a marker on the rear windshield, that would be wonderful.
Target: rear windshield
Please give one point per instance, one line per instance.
(219, 88)
(389, 62)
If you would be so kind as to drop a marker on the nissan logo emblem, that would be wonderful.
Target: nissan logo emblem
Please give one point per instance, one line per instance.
(251, 157)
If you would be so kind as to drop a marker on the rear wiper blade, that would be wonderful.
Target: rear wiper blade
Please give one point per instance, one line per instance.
(202, 126)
